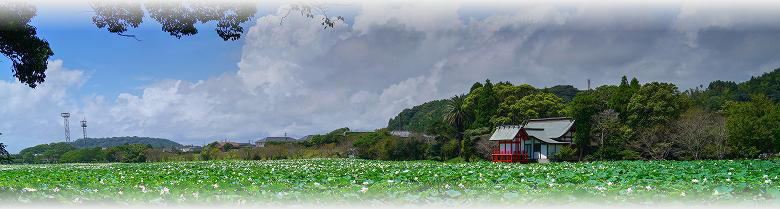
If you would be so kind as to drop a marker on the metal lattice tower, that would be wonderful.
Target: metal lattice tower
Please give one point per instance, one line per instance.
(65, 117)
(84, 127)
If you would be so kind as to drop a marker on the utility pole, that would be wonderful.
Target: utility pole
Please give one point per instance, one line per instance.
(65, 117)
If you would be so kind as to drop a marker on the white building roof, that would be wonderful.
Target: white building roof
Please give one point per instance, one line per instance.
(545, 129)
(505, 133)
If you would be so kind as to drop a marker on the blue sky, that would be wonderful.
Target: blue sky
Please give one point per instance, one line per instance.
(300, 79)
(121, 64)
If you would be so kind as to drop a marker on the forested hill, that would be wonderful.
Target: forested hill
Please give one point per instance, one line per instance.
(117, 141)
(502, 104)
(428, 117)
(419, 118)
(718, 92)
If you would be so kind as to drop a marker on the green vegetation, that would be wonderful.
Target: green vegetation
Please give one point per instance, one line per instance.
(420, 118)
(5, 157)
(613, 122)
(717, 93)
(45, 153)
(630, 121)
(67, 153)
(117, 141)
(753, 127)
(321, 181)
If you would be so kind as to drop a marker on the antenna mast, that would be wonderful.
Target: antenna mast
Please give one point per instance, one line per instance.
(588, 83)
(65, 117)
(84, 127)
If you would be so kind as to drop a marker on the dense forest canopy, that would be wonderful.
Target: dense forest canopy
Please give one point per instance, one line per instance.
(717, 93)
(118, 141)
(427, 117)
(631, 120)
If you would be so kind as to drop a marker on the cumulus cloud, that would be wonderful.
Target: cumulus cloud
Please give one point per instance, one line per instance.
(298, 78)
(25, 113)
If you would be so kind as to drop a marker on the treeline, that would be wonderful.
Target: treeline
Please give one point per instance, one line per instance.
(117, 141)
(67, 153)
(628, 121)
(616, 122)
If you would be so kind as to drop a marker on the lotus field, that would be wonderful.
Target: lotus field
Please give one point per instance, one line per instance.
(320, 181)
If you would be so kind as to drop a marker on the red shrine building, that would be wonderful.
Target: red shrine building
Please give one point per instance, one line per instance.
(535, 141)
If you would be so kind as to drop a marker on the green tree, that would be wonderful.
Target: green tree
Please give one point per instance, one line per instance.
(334, 136)
(426, 118)
(622, 96)
(655, 103)
(5, 157)
(457, 116)
(85, 155)
(450, 149)
(753, 127)
(585, 105)
(539, 105)
(19, 42)
(565, 92)
(475, 86)
(130, 153)
(635, 86)
(483, 102)
(45, 153)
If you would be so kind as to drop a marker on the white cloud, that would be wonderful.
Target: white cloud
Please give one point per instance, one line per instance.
(25, 113)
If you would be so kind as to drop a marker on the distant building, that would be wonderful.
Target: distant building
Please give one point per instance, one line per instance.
(536, 140)
(280, 139)
(190, 148)
(245, 145)
(305, 138)
(409, 134)
(401, 133)
(222, 144)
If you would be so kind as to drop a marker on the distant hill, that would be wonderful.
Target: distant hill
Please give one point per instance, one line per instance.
(117, 141)
(422, 118)
(418, 118)
(565, 92)
(719, 92)
(767, 84)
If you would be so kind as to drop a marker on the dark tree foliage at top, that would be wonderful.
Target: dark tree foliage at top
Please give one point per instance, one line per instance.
(420, 118)
(565, 92)
(119, 141)
(176, 17)
(5, 157)
(20, 43)
(717, 93)
(30, 54)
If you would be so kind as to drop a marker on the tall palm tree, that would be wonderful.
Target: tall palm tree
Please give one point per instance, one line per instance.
(457, 116)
